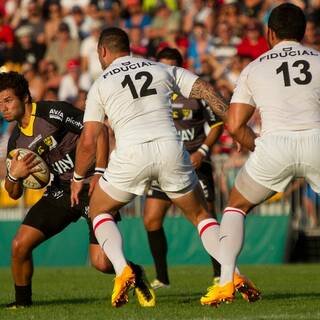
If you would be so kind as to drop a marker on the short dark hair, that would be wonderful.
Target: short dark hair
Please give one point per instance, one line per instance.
(16, 82)
(114, 39)
(288, 22)
(170, 54)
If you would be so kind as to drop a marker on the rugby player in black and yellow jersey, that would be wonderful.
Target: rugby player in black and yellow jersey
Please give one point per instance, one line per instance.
(190, 116)
(51, 129)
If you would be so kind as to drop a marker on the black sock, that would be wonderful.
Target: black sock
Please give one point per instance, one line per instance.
(23, 294)
(216, 267)
(159, 249)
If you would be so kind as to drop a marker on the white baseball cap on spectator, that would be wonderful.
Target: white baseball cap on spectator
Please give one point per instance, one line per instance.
(96, 25)
(24, 31)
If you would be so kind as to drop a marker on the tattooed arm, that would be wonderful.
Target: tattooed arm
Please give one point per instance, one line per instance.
(203, 90)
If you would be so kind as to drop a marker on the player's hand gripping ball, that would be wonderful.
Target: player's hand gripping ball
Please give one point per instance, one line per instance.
(36, 180)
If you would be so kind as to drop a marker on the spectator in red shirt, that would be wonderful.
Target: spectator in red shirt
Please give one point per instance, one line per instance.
(253, 44)
(6, 33)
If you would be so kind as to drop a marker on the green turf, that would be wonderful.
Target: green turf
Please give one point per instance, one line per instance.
(289, 292)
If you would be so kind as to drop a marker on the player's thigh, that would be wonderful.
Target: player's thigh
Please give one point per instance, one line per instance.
(155, 209)
(273, 162)
(310, 167)
(175, 171)
(193, 205)
(107, 199)
(129, 169)
(50, 215)
(247, 192)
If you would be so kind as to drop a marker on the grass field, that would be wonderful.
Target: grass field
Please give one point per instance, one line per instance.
(289, 292)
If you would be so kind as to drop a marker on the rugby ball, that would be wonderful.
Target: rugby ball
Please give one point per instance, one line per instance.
(36, 180)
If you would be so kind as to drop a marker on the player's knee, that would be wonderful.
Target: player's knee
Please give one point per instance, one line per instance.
(19, 249)
(152, 223)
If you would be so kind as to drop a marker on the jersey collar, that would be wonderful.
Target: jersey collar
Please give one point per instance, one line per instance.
(286, 43)
(124, 58)
(28, 130)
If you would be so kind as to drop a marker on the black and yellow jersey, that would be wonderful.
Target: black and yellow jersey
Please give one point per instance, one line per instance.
(53, 131)
(189, 117)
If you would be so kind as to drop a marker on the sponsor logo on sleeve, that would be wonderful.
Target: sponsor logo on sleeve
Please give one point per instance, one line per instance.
(75, 123)
(56, 114)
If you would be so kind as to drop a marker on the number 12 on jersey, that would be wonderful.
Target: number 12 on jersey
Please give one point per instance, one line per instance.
(145, 90)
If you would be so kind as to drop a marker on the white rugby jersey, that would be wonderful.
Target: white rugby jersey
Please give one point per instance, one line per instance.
(284, 83)
(134, 94)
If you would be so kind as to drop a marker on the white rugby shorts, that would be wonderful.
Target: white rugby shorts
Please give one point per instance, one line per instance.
(278, 158)
(132, 168)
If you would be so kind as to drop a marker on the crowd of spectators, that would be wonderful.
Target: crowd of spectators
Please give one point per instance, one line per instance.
(53, 43)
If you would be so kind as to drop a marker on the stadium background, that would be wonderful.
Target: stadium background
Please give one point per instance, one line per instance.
(53, 44)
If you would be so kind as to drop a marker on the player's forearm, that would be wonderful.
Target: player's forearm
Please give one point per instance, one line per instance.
(14, 189)
(85, 156)
(214, 135)
(102, 153)
(245, 136)
(203, 90)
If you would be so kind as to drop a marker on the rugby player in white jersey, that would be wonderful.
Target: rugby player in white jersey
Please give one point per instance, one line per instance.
(135, 94)
(284, 84)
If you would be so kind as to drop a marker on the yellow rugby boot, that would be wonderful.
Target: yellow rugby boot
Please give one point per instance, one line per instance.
(217, 294)
(246, 288)
(143, 289)
(121, 287)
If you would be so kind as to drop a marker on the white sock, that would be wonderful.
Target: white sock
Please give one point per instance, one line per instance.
(110, 240)
(231, 240)
(209, 234)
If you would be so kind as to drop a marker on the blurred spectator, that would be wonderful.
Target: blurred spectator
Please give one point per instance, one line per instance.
(314, 11)
(136, 18)
(251, 8)
(78, 22)
(199, 12)
(34, 19)
(63, 48)
(50, 75)
(25, 50)
(201, 44)
(54, 19)
(6, 33)
(311, 36)
(164, 22)
(51, 94)
(253, 43)
(152, 5)
(88, 51)
(232, 71)
(93, 11)
(112, 15)
(224, 43)
(175, 39)
(67, 5)
(137, 42)
(36, 84)
(228, 13)
(6, 38)
(80, 101)
(73, 81)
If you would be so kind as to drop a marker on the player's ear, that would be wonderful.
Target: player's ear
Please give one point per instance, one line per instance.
(103, 52)
(270, 37)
